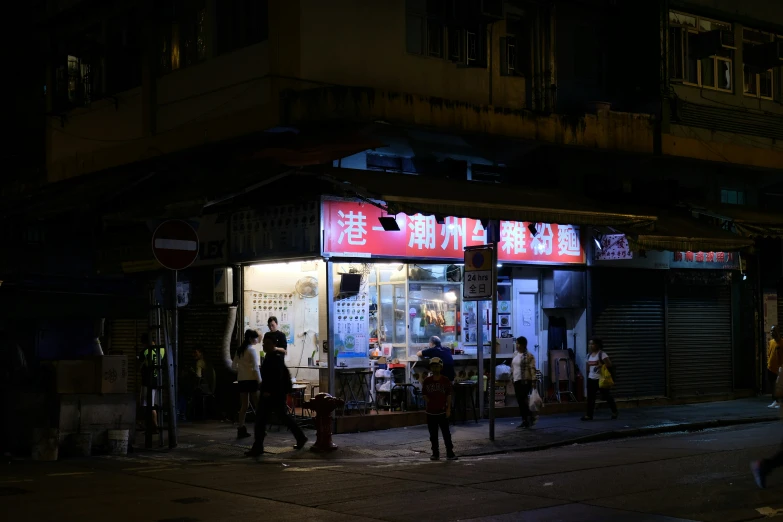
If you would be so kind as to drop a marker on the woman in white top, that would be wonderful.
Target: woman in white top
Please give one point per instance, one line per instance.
(523, 367)
(248, 376)
(596, 359)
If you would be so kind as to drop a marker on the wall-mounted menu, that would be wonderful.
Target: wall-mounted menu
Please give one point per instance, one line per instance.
(352, 325)
(469, 333)
(265, 306)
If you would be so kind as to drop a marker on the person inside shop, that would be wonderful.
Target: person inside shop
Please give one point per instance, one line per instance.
(774, 362)
(275, 386)
(523, 367)
(444, 354)
(595, 361)
(281, 343)
(149, 358)
(437, 391)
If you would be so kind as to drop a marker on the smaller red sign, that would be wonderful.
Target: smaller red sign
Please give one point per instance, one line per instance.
(175, 244)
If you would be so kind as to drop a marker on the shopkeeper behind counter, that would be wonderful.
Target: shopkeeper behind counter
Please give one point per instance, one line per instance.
(436, 350)
(281, 343)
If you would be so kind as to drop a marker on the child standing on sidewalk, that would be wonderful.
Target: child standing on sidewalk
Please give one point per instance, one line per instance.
(437, 394)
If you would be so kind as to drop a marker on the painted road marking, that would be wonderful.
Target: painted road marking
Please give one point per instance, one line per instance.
(71, 474)
(176, 244)
(15, 481)
(770, 512)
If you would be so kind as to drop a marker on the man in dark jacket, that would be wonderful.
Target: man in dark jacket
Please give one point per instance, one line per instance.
(275, 386)
(436, 350)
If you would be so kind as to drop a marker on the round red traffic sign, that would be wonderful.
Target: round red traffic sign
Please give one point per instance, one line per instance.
(175, 244)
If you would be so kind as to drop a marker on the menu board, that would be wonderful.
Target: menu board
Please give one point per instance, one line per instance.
(265, 306)
(352, 325)
(469, 332)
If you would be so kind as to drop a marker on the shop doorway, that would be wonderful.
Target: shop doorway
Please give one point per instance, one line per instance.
(526, 319)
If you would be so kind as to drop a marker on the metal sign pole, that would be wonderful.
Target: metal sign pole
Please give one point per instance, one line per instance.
(173, 367)
(493, 346)
(480, 355)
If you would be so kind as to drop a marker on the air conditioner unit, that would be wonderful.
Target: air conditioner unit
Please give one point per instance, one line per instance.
(763, 57)
(223, 286)
(710, 43)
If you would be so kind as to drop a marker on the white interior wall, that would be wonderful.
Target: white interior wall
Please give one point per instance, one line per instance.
(282, 278)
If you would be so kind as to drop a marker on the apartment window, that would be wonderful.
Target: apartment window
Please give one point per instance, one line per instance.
(732, 197)
(424, 27)
(182, 37)
(79, 73)
(757, 82)
(241, 23)
(509, 63)
(701, 51)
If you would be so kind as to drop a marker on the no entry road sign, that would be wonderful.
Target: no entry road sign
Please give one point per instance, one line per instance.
(175, 244)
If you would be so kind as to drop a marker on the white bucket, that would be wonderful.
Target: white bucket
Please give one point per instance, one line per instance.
(46, 442)
(118, 442)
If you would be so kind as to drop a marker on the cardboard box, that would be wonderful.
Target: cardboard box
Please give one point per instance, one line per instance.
(75, 376)
(111, 374)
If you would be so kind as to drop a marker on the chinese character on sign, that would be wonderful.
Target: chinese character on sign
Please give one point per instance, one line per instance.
(689, 256)
(678, 256)
(542, 242)
(454, 228)
(729, 257)
(710, 257)
(512, 237)
(479, 234)
(423, 232)
(700, 257)
(568, 241)
(353, 227)
(721, 257)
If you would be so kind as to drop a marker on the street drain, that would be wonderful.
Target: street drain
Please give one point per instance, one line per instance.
(190, 500)
(10, 491)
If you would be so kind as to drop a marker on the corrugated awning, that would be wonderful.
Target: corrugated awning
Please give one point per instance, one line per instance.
(684, 234)
(483, 201)
(747, 222)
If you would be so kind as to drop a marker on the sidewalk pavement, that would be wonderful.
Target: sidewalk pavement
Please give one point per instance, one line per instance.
(215, 440)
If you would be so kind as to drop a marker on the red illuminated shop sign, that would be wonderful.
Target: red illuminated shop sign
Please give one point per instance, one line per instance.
(352, 229)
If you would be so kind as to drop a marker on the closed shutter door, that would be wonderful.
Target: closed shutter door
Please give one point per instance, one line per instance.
(628, 314)
(125, 334)
(700, 348)
(202, 326)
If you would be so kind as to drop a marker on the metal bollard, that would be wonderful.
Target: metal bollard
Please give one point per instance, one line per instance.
(323, 405)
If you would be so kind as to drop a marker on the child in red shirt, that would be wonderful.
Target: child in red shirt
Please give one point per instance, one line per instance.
(437, 394)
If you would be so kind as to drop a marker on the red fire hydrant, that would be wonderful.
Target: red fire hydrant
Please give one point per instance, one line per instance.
(323, 405)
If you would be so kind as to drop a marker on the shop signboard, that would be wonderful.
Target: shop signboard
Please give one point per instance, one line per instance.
(705, 260)
(351, 229)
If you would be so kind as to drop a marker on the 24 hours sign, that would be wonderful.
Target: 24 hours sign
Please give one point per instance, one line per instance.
(479, 283)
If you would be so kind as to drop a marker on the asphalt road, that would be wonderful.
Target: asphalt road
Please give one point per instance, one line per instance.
(696, 476)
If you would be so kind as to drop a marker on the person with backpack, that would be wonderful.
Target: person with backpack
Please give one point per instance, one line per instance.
(246, 365)
(595, 361)
(275, 386)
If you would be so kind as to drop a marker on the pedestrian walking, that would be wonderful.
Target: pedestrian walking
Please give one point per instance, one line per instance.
(762, 468)
(436, 349)
(595, 361)
(248, 376)
(437, 392)
(275, 386)
(774, 363)
(523, 368)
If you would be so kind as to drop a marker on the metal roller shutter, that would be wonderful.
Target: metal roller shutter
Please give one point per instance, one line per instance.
(124, 339)
(699, 339)
(628, 314)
